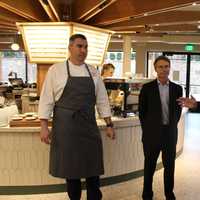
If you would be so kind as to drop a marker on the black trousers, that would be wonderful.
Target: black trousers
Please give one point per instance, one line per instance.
(92, 187)
(168, 149)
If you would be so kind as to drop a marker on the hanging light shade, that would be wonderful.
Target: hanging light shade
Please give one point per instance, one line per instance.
(15, 46)
(48, 42)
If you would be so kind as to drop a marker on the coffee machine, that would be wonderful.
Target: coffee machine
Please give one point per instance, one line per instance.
(118, 91)
(123, 95)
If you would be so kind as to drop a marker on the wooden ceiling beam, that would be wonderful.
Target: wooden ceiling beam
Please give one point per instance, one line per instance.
(122, 10)
(9, 17)
(174, 25)
(82, 8)
(54, 9)
(183, 27)
(159, 19)
(162, 29)
(97, 10)
(128, 28)
(7, 23)
(134, 29)
(50, 10)
(6, 39)
(28, 9)
(132, 33)
(8, 27)
(59, 7)
(4, 32)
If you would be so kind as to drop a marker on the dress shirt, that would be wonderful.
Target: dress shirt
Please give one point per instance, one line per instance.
(164, 97)
(56, 80)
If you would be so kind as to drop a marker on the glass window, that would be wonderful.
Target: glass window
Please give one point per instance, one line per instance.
(133, 62)
(178, 68)
(116, 58)
(11, 61)
(32, 73)
(151, 57)
(194, 76)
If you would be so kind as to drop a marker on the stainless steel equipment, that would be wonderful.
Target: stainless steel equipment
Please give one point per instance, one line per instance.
(123, 94)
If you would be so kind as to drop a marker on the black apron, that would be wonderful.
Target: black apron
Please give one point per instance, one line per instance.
(76, 146)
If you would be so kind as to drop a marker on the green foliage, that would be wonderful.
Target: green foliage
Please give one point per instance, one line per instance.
(12, 54)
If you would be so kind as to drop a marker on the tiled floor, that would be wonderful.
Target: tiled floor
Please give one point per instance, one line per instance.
(187, 177)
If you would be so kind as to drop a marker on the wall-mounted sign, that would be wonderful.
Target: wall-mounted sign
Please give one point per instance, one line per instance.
(189, 47)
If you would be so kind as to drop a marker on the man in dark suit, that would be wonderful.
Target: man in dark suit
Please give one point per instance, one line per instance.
(159, 114)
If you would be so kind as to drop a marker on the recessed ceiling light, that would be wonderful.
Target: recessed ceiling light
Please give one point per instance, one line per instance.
(18, 32)
(198, 26)
(156, 24)
(194, 4)
(119, 36)
(145, 14)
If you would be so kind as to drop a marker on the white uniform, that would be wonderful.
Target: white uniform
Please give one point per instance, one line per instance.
(55, 82)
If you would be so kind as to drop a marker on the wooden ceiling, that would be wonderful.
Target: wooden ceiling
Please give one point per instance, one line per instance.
(135, 17)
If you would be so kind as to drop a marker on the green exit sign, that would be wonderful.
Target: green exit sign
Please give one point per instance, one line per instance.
(189, 47)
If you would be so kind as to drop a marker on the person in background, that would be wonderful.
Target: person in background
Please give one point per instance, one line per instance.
(107, 70)
(71, 90)
(159, 114)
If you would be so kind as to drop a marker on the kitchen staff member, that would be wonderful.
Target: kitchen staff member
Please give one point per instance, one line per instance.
(71, 90)
(107, 70)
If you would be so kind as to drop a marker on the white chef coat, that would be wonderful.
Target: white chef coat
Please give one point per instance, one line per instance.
(55, 82)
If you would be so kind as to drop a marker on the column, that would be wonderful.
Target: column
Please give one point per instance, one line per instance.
(127, 54)
(141, 58)
(42, 70)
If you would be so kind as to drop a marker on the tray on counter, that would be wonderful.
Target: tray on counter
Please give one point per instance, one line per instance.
(27, 123)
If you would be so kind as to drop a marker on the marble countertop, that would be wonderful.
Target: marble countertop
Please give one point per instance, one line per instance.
(118, 122)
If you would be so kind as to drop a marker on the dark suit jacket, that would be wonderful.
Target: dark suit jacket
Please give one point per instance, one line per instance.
(150, 113)
(196, 109)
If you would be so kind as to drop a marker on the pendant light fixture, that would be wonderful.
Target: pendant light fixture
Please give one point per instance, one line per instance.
(47, 42)
(15, 45)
